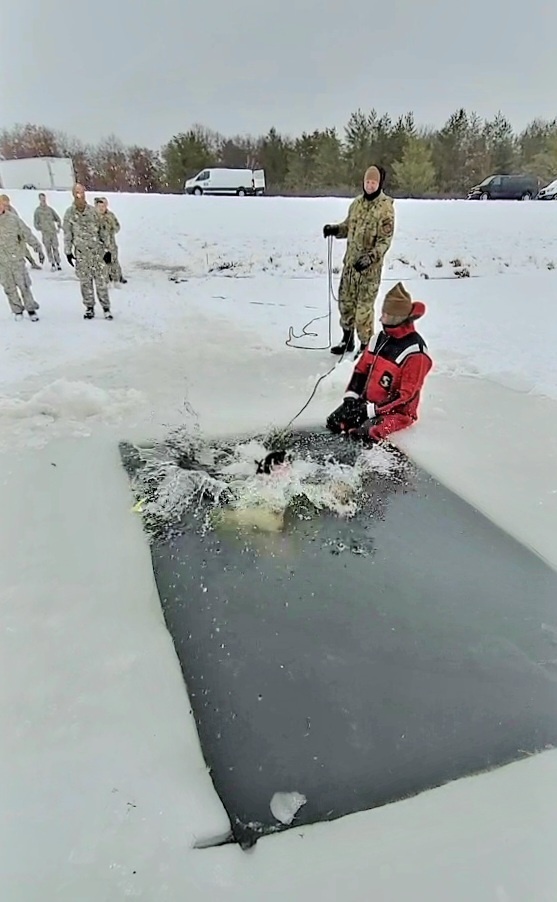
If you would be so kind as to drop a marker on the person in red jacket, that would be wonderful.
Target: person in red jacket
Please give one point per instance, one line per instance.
(383, 394)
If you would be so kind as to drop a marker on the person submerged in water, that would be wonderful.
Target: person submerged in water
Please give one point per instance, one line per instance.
(383, 394)
(270, 461)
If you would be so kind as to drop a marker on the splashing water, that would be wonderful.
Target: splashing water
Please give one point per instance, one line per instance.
(219, 483)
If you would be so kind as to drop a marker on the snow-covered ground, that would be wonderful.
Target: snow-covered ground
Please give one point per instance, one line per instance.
(103, 785)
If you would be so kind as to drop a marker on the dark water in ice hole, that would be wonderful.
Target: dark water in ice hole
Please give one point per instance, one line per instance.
(360, 661)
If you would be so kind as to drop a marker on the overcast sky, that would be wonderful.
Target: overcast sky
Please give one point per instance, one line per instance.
(238, 66)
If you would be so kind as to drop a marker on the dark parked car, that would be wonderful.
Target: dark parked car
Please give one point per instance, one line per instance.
(506, 187)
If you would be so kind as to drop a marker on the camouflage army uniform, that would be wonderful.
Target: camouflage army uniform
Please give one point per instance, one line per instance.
(83, 240)
(15, 235)
(26, 252)
(47, 222)
(369, 228)
(109, 229)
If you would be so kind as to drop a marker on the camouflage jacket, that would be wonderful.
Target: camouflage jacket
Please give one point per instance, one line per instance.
(83, 232)
(46, 219)
(369, 228)
(109, 228)
(15, 235)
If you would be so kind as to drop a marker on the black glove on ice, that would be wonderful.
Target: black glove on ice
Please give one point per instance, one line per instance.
(330, 230)
(361, 433)
(107, 257)
(71, 259)
(349, 415)
(363, 263)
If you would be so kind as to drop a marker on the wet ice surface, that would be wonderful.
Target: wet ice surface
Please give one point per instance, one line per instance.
(354, 656)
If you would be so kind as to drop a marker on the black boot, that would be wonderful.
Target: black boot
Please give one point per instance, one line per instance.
(347, 343)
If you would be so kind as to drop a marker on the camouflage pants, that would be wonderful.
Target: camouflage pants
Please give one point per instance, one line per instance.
(29, 258)
(16, 283)
(91, 272)
(114, 269)
(50, 242)
(356, 300)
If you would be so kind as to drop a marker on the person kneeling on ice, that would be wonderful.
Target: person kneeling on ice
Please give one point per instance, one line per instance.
(383, 394)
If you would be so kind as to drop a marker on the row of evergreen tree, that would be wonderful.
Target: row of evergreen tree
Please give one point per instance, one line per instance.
(420, 162)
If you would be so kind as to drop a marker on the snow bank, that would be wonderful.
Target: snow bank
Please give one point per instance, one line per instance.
(189, 237)
(74, 401)
(481, 327)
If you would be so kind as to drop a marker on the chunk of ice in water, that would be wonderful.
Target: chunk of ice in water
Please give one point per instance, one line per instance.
(285, 806)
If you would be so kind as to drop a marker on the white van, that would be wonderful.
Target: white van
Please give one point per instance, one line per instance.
(38, 173)
(227, 181)
(549, 192)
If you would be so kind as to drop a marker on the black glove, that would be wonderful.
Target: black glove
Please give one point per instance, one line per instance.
(362, 433)
(41, 257)
(71, 259)
(363, 263)
(330, 230)
(349, 415)
(107, 257)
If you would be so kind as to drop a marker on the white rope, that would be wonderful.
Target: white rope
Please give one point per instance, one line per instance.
(329, 315)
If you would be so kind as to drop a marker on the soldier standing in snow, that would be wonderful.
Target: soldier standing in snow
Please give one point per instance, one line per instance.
(85, 249)
(369, 229)
(110, 228)
(26, 252)
(48, 223)
(15, 235)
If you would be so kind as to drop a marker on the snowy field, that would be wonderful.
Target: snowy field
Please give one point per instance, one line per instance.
(104, 789)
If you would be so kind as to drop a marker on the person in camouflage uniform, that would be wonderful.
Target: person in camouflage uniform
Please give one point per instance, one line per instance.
(27, 254)
(110, 228)
(369, 229)
(15, 235)
(48, 223)
(85, 249)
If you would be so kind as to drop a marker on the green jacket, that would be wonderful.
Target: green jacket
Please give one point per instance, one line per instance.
(15, 235)
(46, 220)
(82, 232)
(109, 228)
(369, 228)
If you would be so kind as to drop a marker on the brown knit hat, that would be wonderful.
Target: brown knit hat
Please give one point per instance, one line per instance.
(372, 173)
(398, 302)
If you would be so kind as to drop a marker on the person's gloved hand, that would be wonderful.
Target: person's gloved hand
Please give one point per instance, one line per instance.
(107, 257)
(71, 259)
(347, 415)
(363, 263)
(330, 230)
(363, 433)
(41, 257)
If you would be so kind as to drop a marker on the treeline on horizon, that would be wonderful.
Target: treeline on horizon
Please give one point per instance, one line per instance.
(420, 162)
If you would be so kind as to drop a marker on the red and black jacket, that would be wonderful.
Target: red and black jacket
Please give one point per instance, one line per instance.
(391, 371)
